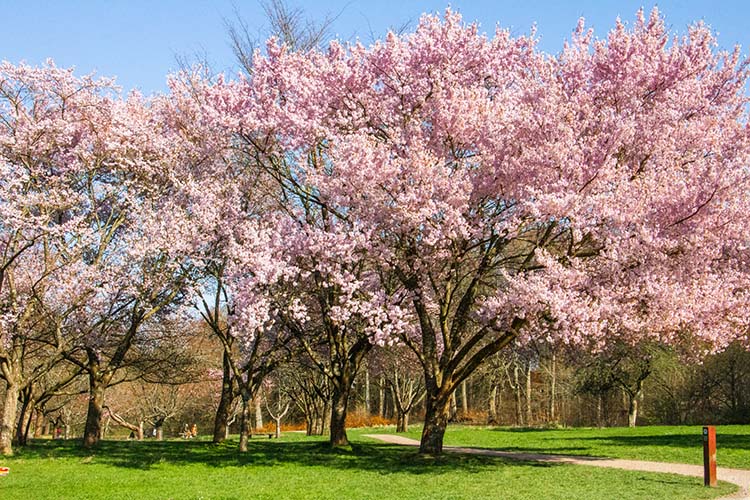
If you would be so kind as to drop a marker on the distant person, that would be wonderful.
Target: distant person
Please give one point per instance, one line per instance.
(194, 431)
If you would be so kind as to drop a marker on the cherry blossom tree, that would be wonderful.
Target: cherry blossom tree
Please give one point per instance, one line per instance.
(490, 193)
(49, 145)
(122, 260)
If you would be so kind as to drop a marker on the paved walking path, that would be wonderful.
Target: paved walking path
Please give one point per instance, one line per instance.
(736, 476)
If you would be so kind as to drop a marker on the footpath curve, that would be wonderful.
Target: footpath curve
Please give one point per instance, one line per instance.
(739, 477)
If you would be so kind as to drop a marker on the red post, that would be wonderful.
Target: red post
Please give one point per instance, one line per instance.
(709, 455)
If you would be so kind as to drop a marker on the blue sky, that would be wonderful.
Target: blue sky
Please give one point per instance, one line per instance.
(137, 41)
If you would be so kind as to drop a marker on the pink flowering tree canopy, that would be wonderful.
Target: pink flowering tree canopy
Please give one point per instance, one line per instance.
(486, 192)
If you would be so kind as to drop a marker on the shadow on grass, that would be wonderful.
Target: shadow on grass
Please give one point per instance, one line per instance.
(382, 458)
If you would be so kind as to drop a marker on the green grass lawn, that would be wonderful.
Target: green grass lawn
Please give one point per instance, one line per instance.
(304, 468)
(681, 444)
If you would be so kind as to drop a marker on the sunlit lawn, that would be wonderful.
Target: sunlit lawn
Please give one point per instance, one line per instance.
(681, 444)
(303, 468)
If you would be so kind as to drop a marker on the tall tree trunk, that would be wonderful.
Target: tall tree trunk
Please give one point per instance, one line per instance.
(464, 399)
(10, 408)
(435, 422)
(529, 416)
(492, 417)
(367, 391)
(258, 413)
(453, 407)
(92, 432)
(325, 417)
(553, 390)
(517, 388)
(225, 403)
(159, 432)
(28, 427)
(244, 422)
(381, 396)
(339, 403)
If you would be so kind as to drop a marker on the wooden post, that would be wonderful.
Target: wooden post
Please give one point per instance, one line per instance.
(709, 456)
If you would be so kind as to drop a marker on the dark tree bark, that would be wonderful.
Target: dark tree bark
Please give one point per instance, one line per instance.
(92, 432)
(24, 416)
(435, 422)
(225, 403)
(339, 404)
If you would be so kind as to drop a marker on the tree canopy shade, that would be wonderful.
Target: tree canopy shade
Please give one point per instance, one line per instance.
(442, 189)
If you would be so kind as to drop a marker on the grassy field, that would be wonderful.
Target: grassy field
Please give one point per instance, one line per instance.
(681, 444)
(299, 467)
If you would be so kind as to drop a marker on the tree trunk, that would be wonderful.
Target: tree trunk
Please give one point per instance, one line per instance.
(159, 432)
(492, 417)
(93, 430)
(278, 427)
(517, 388)
(632, 411)
(464, 399)
(225, 403)
(39, 424)
(453, 407)
(367, 391)
(325, 417)
(244, 423)
(529, 416)
(435, 422)
(23, 416)
(28, 427)
(381, 397)
(258, 413)
(339, 403)
(10, 408)
(553, 390)
(633, 398)
(402, 424)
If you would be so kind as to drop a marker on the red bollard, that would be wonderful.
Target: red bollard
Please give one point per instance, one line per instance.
(709, 455)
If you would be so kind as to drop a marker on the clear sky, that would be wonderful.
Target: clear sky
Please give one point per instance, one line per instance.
(137, 41)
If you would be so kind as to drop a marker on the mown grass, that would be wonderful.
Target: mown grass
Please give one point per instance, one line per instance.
(297, 467)
(681, 444)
